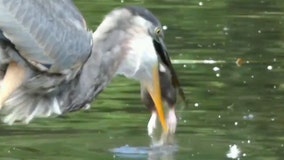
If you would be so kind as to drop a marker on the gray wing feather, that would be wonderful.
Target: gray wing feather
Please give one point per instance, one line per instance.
(51, 32)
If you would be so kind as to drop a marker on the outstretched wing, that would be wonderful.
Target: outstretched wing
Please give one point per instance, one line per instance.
(47, 32)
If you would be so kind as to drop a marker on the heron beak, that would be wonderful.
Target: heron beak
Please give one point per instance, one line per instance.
(164, 56)
(155, 92)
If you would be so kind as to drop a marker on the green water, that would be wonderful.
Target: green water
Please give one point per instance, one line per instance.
(227, 104)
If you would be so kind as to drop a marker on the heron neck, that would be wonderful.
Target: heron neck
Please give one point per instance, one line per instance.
(96, 73)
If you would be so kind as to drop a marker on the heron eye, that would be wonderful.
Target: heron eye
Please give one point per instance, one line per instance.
(158, 31)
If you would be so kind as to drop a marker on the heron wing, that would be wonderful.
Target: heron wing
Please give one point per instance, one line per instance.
(47, 32)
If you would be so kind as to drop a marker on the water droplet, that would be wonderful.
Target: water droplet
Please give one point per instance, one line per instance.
(274, 87)
(272, 119)
(200, 3)
(230, 106)
(184, 66)
(196, 104)
(269, 67)
(219, 116)
(184, 121)
(248, 141)
(165, 27)
(216, 69)
(252, 76)
(225, 29)
(217, 74)
(122, 1)
(274, 59)
(234, 152)
(244, 82)
(282, 145)
(236, 123)
(244, 154)
(259, 31)
(248, 117)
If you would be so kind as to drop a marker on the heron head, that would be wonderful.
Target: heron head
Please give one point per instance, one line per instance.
(138, 35)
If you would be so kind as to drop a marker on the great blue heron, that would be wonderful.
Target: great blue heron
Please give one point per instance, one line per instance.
(52, 64)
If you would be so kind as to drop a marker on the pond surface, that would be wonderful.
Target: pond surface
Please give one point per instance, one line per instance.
(239, 105)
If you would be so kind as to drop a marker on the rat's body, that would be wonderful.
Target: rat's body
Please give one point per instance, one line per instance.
(169, 96)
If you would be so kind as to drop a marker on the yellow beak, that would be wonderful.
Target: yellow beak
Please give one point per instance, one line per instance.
(155, 92)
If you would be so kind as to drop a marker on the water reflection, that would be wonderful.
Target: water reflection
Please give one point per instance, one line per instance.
(166, 152)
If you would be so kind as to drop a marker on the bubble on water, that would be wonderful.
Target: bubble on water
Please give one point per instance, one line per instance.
(219, 116)
(216, 69)
(122, 1)
(200, 3)
(282, 145)
(273, 119)
(236, 123)
(269, 67)
(244, 82)
(217, 74)
(248, 141)
(259, 31)
(234, 152)
(252, 76)
(274, 59)
(244, 154)
(184, 66)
